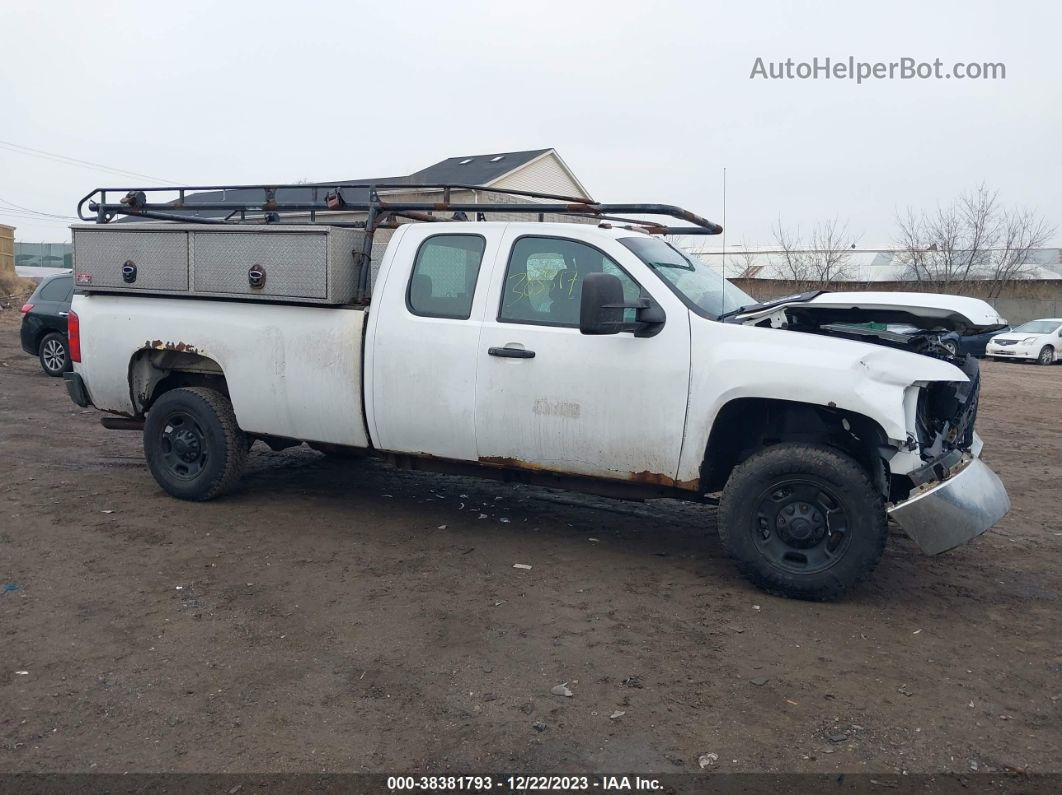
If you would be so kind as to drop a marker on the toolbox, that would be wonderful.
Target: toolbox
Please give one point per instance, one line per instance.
(304, 263)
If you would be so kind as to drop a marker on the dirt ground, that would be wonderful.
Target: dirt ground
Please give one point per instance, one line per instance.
(348, 617)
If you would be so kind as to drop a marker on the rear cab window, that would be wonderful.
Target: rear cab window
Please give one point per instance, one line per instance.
(443, 281)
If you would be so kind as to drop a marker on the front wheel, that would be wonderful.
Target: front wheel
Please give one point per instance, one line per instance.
(192, 443)
(1047, 355)
(803, 521)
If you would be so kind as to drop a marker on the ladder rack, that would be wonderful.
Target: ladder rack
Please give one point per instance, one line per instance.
(382, 203)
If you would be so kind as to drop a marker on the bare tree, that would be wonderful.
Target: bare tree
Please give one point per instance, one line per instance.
(973, 237)
(826, 260)
(832, 245)
(1021, 231)
(745, 262)
(794, 259)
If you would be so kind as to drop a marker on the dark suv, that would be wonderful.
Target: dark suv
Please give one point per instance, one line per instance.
(44, 323)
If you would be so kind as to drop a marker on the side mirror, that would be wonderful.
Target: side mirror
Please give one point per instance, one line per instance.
(601, 308)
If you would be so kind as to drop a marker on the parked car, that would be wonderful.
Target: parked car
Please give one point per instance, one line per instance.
(971, 344)
(975, 344)
(597, 358)
(1037, 340)
(44, 323)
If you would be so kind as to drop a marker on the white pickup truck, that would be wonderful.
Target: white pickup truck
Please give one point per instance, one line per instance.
(592, 357)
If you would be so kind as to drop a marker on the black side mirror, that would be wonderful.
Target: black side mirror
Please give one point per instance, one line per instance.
(601, 308)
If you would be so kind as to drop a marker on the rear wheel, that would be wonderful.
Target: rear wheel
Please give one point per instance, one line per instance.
(192, 443)
(1047, 355)
(803, 521)
(54, 355)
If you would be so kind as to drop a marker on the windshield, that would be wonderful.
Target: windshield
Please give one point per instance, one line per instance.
(701, 287)
(1038, 326)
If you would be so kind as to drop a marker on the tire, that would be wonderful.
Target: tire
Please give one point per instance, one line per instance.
(803, 521)
(1046, 356)
(192, 444)
(54, 355)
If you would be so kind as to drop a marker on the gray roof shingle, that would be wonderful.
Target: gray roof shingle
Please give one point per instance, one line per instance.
(466, 170)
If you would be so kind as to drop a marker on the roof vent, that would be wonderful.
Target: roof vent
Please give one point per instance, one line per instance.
(465, 162)
(496, 158)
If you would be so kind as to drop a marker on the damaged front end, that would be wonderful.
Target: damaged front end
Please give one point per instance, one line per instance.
(952, 497)
(940, 492)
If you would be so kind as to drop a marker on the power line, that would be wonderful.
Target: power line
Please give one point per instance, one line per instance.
(35, 218)
(73, 161)
(11, 204)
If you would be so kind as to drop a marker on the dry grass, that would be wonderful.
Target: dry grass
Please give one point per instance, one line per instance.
(14, 290)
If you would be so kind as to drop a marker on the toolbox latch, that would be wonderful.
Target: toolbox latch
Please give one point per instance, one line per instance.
(256, 277)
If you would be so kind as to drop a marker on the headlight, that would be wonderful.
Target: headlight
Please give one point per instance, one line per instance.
(1027, 340)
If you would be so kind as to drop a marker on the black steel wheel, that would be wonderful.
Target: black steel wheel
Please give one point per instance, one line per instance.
(192, 444)
(54, 355)
(801, 525)
(803, 521)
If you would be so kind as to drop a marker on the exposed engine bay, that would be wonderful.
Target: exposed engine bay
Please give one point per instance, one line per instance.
(946, 410)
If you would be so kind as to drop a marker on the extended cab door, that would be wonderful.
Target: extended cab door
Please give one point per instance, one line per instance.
(424, 328)
(548, 397)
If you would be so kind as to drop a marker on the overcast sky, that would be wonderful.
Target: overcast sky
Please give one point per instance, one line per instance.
(646, 101)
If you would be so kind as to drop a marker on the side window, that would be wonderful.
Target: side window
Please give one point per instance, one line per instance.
(444, 275)
(57, 290)
(544, 281)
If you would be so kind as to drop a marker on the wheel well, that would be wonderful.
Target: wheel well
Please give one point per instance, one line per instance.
(44, 332)
(747, 425)
(153, 372)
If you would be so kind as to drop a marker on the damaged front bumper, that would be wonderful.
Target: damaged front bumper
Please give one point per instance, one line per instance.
(950, 513)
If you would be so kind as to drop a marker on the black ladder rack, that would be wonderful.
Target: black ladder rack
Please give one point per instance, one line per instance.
(382, 203)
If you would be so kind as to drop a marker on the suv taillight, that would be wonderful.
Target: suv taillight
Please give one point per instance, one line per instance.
(26, 308)
(73, 336)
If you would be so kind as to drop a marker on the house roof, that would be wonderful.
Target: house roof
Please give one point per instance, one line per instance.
(475, 169)
(479, 170)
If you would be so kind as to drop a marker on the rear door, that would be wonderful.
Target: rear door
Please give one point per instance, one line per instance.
(549, 397)
(52, 302)
(425, 324)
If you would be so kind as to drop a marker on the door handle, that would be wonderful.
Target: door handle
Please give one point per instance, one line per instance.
(511, 353)
(63, 314)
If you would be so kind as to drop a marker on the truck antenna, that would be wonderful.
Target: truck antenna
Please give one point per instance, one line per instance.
(722, 287)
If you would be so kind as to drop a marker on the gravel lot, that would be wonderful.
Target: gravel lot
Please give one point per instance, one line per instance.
(347, 617)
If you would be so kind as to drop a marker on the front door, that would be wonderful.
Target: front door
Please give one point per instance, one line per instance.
(548, 397)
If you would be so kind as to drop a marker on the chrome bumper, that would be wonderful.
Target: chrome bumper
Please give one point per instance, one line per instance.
(955, 510)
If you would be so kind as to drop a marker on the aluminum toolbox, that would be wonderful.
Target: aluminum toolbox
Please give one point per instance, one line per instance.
(274, 262)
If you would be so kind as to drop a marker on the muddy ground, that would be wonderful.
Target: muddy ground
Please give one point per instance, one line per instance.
(333, 617)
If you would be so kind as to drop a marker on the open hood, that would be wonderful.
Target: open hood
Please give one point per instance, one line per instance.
(922, 310)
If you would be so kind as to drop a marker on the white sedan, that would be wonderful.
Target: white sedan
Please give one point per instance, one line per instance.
(1040, 340)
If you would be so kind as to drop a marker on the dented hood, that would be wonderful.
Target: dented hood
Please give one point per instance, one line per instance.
(923, 310)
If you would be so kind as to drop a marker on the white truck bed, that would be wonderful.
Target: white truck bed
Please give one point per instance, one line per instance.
(292, 371)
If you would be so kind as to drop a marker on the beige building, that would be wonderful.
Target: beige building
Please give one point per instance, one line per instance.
(7, 252)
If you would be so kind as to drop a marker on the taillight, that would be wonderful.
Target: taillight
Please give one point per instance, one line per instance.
(73, 336)
(26, 308)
